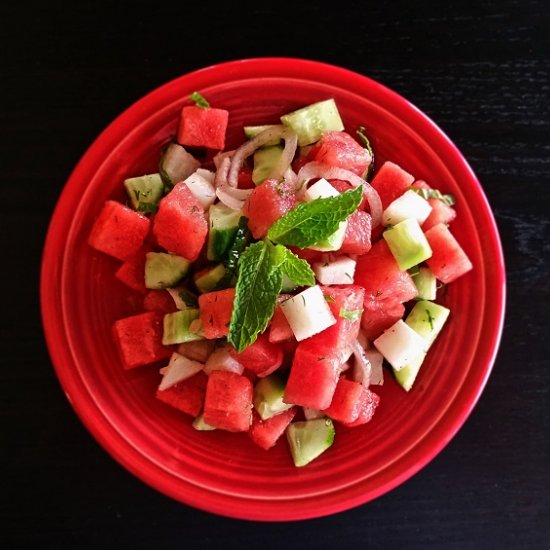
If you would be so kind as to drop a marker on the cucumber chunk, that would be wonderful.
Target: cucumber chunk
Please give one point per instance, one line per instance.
(145, 192)
(200, 425)
(181, 326)
(208, 281)
(407, 375)
(164, 270)
(268, 397)
(309, 439)
(426, 283)
(332, 242)
(407, 243)
(224, 222)
(312, 121)
(266, 160)
(253, 131)
(408, 205)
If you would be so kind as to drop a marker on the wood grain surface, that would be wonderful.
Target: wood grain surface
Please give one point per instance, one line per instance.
(480, 70)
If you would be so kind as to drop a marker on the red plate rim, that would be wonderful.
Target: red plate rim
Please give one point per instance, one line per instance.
(153, 474)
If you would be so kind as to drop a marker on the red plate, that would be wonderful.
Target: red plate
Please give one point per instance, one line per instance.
(225, 473)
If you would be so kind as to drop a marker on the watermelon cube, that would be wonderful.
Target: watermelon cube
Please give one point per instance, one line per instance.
(341, 150)
(119, 231)
(313, 378)
(391, 181)
(346, 403)
(261, 357)
(378, 273)
(245, 180)
(132, 271)
(379, 315)
(186, 396)
(180, 224)
(265, 433)
(448, 261)
(441, 213)
(228, 401)
(346, 305)
(266, 204)
(200, 127)
(279, 329)
(159, 301)
(215, 312)
(369, 401)
(139, 339)
(357, 239)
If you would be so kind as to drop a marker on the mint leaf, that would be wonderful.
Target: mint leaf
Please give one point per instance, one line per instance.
(258, 285)
(296, 269)
(351, 314)
(368, 147)
(312, 222)
(448, 199)
(199, 100)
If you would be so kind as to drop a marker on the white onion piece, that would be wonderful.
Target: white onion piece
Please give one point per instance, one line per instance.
(362, 369)
(318, 170)
(248, 148)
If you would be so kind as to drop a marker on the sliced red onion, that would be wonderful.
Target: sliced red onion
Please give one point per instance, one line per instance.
(219, 157)
(377, 372)
(248, 148)
(318, 170)
(221, 172)
(362, 369)
(232, 198)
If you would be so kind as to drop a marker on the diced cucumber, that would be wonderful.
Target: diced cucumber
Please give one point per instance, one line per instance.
(224, 222)
(266, 160)
(253, 131)
(175, 165)
(183, 299)
(164, 270)
(407, 375)
(288, 285)
(268, 397)
(201, 188)
(179, 368)
(427, 319)
(309, 439)
(308, 313)
(145, 192)
(181, 326)
(321, 189)
(426, 283)
(312, 121)
(206, 282)
(334, 241)
(200, 425)
(408, 244)
(340, 271)
(408, 205)
(400, 345)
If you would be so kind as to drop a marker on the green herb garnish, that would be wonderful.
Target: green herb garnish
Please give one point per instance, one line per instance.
(368, 147)
(199, 100)
(430, 319)
(448, 199)
(351, 314)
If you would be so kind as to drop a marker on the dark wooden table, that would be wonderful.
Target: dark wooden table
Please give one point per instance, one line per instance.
(480, 69)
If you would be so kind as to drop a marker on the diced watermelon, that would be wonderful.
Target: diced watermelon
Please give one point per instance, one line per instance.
(308, 254)
(346, 403)
(391, 181)
(378, 273)
(341, 150)
(265, 433)
(228, 401)
(215, 311)
(261, 357)
(119, 231)
(132, 271)
(441, 213)
(346, 304)
(186, 396)
(279, 329)
(245, 180)
(342, 186)
(180, 224)
(203, 127)
(369, 401)
(313, 378)
(448, 261)
(159, 301)
(139, 339)
(267, 203)
(358, 234)
(379, 315)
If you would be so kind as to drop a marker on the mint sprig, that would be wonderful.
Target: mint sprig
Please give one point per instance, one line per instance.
(448, 199)
(260, 280)
(312, 222)
(199, 100)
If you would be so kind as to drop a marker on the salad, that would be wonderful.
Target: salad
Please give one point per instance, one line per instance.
(281, 279)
